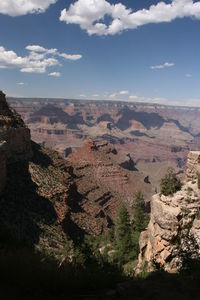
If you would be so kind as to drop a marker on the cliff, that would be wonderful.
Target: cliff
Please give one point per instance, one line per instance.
(15, 143)
(2, 165)
(14, 132)
(173, 236)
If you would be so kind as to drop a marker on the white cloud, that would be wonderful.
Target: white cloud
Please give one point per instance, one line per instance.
(133, 97)
(82, 96)
(37, 48)
(125, 92)
(15, 8)
(192, 102)
(165, 65)
(113, 96)
(70, 56)
(37, 60)
(95, 95)
(20, 83)
(89, 15)
(55, 74)
(188, 75)
(53, 51)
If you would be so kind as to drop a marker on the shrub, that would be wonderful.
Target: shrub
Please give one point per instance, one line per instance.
(170, 184)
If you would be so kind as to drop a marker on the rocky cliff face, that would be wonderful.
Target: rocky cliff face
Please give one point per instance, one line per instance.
(15, 143)
(2, 166)
(173, 233)
(14, 132)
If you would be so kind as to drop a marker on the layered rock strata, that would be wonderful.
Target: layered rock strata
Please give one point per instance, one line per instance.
(173, 234)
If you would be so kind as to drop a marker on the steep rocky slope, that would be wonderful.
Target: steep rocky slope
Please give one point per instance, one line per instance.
(14, 132)
(106, 176)
(173, 234)
(3, 165)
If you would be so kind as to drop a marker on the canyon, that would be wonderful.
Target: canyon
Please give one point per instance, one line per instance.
(47, 200)
(151, 137)
(79, 192)
(50, 201)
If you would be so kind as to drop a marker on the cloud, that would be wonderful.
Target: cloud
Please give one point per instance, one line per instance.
(133, 97)
(37, 48)
(90, 15)
(20, 83)
(15, 8)
(188, 75)
(165, 65)
(55, 74)
(82, 96)
(125, 92)
(95, 95)
(113, 96)
(70, 56)
(37, 60)
(192, 102)
(53, 51)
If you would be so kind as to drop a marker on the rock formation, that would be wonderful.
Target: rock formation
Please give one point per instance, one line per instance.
(2, 165)
(173, 233)
(15, 141)
(14, 132)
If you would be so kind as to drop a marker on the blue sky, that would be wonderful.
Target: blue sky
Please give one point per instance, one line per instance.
(132, 55)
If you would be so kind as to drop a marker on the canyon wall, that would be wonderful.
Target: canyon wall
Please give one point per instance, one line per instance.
(2, 166)
(15, 142)
(173, 233)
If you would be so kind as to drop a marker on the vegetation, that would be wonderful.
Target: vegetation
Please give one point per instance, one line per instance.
(170, 184)
(141, 218)
(89, 264)
(189, 191)
(122, 235)
(198, 180)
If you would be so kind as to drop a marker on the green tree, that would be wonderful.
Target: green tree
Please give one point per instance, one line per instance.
(122, 235)
(140, 218)
(170, 184)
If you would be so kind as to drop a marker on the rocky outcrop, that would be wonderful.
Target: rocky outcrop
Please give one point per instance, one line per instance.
(14, 132)
(15, 143)
(173, 234)
(193, 165)
(2, 165)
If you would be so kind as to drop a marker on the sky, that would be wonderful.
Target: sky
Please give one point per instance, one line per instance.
(135, 50)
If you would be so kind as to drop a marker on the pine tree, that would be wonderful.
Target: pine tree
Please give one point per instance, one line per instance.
(122, 235)
(140, 217)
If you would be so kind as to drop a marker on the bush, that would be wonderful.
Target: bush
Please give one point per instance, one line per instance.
(170, 184)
